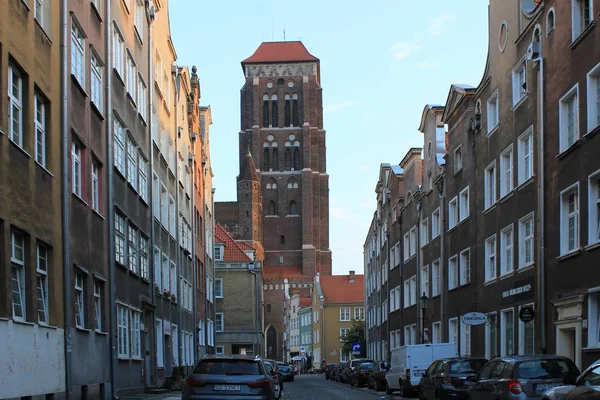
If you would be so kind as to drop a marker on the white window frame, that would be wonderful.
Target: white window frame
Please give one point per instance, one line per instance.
(550, 26)
(507, 255)
(452, 213)
(594, 208)
(118, 52)
(78, 52)
(218, 288)
(503, 335)
(219, 327)
(18, 274)
(42, 283)
(465, 340)
(98, 305)
(521, 331)
(40, 130)
(123, 331)
(489, 179)
(407, 336)
(436, 332)
(79, 300)
(465, 267)
(565, 216)
(453, 330)
(506, 172)
(131, 76)
(492, 111)
(435, 278)
(120, 224)
(525, 156)
(435, 223)
(593, 98)
(132, 165)
(594, 318)
(139, 19)
(175, 344)
(525, 238)
(413, 290)
(136, 336)
(219, 350)
(119, 145)
(15, 106)
(345, 315)
(413, 241)
(563, 118)
(95, 187)
(132, 247)
(463, 204)
(142, 99)
(425, 280)
(343, 333)
(519, 78)
(160, 341)
(38, 11)
(424, 232)
(458, 161)
(359, 313)
(76, 167)
(578, 25)
(142, 177)
(453, 273)
(488, 334)
(96, 81)
(491, 254)
(406, 293)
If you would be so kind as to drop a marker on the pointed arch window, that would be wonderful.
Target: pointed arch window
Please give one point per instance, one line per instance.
(288, 159)
(297, 160)
(265, 111)
(266, 161)
(288, 110)
(295, 116)
(274, 114)
(293, 208)
(272, 208)
(275, 155)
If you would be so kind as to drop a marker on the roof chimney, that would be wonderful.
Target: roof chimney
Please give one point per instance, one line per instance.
(351, 276)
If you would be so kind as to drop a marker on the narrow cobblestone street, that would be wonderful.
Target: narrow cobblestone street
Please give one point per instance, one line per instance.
(311, 387)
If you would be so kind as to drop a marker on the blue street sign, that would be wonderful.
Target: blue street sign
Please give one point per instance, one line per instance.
(356, 347)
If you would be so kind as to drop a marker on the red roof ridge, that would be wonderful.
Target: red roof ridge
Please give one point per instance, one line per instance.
(288, 51)
(233, 251)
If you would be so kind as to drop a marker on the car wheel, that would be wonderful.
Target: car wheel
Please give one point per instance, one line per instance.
(401, 390)
(387, 389)
(438, 395)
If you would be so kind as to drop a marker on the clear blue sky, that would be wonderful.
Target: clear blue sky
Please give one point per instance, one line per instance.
(381, 63)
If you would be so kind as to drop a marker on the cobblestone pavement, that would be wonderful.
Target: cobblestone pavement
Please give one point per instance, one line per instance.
(315, 387)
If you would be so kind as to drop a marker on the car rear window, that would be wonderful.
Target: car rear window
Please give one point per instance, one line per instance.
(227, 367)
(547, 369)
(367, 366)
(465, 366)
(356, 363)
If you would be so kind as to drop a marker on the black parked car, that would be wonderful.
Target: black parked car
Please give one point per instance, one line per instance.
(377, 376)
(287, 372)
(360, 376)
(277, 372)
(447, 378)
(522, 377)
(349, 367)
(329, 371)
(590, 378)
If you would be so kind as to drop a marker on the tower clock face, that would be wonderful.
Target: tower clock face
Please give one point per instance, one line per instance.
(270, 85)
(291, 84)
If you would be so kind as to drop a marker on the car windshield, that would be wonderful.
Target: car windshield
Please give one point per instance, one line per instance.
(465, 366)
(547, 369)
(367, 366)
(591, 378)
(227, 367)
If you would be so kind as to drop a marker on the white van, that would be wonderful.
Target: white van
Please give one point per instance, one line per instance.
(408, 363)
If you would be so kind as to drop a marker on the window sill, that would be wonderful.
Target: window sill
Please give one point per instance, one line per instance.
(97, 111)
(489, 209)
(458, 172)
(21, 322)
(101, 333)
(526, 267)
(47, 326)
(570, 254)
(131, 100)
(80, 199)
(122, 266)
(85, 330)
(96, 11)
(592, 132)
(293, 216)
(422, 246)
(507, 275)
(271, 216)
(592, 246)
(493, 130)
(118, 75)
(487, 283)
(19, 148)
(583, 35)
(591, 349)
(79, 85)
(525, 183)
(43, 30)
(521, 101)
(568, 150)
(98, 214)
(44, 169)
(506, 196)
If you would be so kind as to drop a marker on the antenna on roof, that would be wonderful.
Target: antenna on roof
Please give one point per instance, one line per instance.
(284, 34)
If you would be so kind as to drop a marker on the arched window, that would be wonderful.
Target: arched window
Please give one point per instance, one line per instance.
(293, 209)
(272, 208)
(265, 111)
(537, 37)
(297, 161)
(275, 155)
(288, 159)
(550, 21)
(288, 110)
(266, 161)
(274, 115)
(295, 110)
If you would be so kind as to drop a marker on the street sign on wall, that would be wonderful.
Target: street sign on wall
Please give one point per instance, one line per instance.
(474, 318)
(356, 348)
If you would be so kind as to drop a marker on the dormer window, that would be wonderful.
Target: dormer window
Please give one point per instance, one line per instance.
(219, 250)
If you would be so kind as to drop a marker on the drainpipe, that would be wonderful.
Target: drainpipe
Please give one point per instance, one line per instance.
(420, 326)
(257, 348)
(541, 216)
(214, 305)
(177, 219)
(387, 290)
(193, 250)
(64, 126)
(443, 293)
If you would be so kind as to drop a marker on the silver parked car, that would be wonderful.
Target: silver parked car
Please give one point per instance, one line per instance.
(230, 377)
(590, 377)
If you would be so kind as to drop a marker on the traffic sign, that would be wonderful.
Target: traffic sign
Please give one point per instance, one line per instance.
(302, 349)
(356, 348)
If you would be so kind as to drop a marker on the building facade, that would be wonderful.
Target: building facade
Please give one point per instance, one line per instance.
(31, 234)
(292, 327)
(305, 330)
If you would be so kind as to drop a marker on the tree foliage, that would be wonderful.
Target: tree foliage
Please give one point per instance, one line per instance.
(355, 335)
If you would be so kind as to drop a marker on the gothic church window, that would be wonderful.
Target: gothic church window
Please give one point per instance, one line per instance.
(288, 159)
(293, 208)
(295, 118)
(266, 157)
(274, 116)
(275, 155)
(297, 160)
(265, 110)
(272, 208)
(288, 110)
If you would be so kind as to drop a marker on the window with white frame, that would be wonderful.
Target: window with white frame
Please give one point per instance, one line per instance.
(465, 266)
(491, 336)
(118, 52)
(359, 313)
(175, 344)
(119, 145)
(593, 98)
(458, 162)
(463, 204)
(526, 244)
(435, 278)
(453, 330)
(343, 333)
(140, 18)
(219, 288)
(506, 171)
(569, 219)
(132, 167)
(413, 241)
(581, 16)
(550, 21)
(453, 213)
(424, 232)
(507, 332)
(79, 300)
(131, 77)
(96, 81)
(425, 280)
(525, 163)
(489, 179)
(142, 99)
(406, 246)
(123, 331)
(594, 208)
(490, 258)
(40, 130)
(413, 290)
(436, 334)
(465, 340)
(492, 112)
(120, 239)
(157, 269)
(164, 208)
(219, 350)
(132, 246)
(160, 356)
(76, 168)
(136, 335)
(407, 293)
(98, 286)
(42, 284)
(95, 186)
(219, 322)
(519, 81)
(77, 53)
(506, 250)
(173, 278)
(435, 223)
(413, 334)
(453, 273)
(568, 114)
(143, 177)
(407, 336)
(345, 314)
(172, 221)
(15, 106)
(594, 319)
(526, 336)
(17, 259)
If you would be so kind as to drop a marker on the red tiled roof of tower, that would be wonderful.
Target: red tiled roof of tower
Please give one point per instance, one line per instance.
(282, 272)
(305, 302)
(232, 251)
(248, 172)
(269, 52)
(339, 290)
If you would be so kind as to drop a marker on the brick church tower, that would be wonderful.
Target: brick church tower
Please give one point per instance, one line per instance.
(249, 202)
(282, 126)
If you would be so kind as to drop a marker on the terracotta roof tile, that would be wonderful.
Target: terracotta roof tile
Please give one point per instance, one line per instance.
(233, 251)
(269, 52)
(248, 172)
(338, 289)
(282, 272)
(305, 302)
(244, 245)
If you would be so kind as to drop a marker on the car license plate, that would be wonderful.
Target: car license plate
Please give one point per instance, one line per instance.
(540, 387)
(227, 388)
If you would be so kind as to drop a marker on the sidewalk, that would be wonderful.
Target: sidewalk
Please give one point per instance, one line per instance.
(149, 396)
